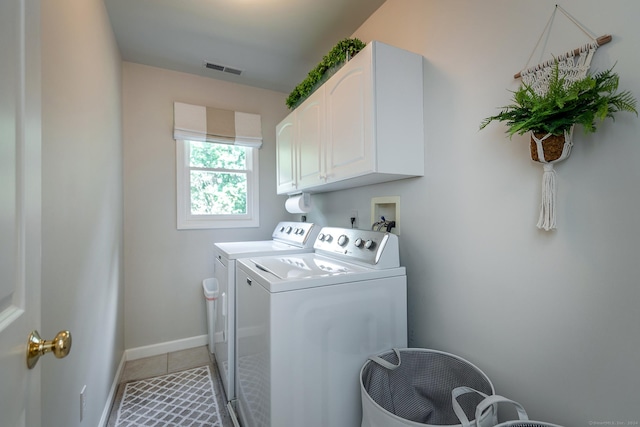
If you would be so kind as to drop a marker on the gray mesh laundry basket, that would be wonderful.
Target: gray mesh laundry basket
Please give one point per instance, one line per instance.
(413, 387)
(491, 402)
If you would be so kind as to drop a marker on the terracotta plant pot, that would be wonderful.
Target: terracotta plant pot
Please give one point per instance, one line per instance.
(552, 147)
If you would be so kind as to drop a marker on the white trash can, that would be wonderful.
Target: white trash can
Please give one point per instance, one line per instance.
(211, 290)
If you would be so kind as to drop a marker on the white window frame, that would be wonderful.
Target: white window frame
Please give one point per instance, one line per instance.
(187, 221)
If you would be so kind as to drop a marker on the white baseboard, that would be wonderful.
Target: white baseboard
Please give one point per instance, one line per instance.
(165, 347)
(112, 394)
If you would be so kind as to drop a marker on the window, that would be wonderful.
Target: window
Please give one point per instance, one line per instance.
(217, 185)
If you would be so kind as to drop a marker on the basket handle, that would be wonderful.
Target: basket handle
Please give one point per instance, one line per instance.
(459, 391)
(385, 364)
(495, 399)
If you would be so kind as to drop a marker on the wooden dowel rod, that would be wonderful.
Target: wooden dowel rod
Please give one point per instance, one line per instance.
(600, 41)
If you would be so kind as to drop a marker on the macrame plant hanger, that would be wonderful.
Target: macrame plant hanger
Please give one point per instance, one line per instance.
(572, 66)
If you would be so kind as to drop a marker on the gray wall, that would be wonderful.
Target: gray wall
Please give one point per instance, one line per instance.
(164, 267)
(551, 317)
(82, 244)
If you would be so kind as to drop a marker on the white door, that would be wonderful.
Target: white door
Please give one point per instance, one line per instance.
(20, 200)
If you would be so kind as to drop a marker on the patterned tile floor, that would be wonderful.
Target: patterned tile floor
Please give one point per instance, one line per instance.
(166, 364)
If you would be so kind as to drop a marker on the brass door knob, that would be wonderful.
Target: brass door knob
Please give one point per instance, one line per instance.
(36, 347)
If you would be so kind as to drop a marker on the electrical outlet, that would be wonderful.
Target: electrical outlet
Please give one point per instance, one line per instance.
(83, 401)
(353, 218)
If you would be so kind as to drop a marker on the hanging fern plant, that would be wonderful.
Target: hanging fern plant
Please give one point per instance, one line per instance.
(330, 63)
(584, 102)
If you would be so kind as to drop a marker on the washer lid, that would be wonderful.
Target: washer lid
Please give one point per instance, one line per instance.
(298, 267)
(279, 273)
(234, 250)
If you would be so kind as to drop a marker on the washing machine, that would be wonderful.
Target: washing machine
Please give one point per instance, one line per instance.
(287, 238)
(306, 323)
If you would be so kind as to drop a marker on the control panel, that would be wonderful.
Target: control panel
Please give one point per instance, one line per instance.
(300, 234)
(373, 248)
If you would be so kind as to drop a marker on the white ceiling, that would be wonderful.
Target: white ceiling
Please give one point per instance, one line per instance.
(274, 42)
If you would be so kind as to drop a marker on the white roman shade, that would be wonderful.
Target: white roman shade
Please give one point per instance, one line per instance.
(198, 123)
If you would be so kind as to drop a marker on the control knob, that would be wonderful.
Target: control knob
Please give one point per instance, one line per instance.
(358, 242)
(342, 240)
(288, 229)
(369, 244)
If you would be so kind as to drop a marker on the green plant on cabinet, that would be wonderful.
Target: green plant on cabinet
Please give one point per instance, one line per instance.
(336, 57)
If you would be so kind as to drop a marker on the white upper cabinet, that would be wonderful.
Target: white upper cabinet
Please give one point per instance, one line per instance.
(363, 126)
(349, 147)
(285, 155)
(310, 126)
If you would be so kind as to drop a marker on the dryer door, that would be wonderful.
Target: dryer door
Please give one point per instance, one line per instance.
(224, 345)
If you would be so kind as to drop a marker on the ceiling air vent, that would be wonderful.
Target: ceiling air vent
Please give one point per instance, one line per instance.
(222, 68)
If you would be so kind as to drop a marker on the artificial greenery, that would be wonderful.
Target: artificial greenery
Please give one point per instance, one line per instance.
(565, 104)
(336, 56)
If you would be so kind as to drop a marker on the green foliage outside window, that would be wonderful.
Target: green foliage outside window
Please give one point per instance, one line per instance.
(218, 174)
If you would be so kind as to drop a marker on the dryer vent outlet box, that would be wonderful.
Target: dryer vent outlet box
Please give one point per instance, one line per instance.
(387, 207)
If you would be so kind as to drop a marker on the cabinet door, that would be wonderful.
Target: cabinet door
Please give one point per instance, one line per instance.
(285, 155)
(310, 120)
(349, 142)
